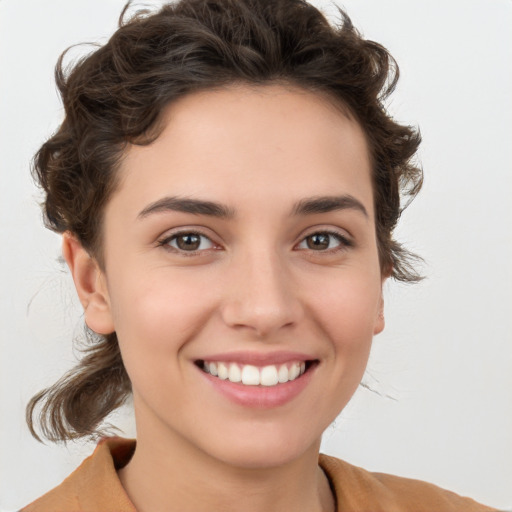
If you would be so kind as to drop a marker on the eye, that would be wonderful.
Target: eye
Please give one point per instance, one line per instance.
(188, 242)
(324, 241)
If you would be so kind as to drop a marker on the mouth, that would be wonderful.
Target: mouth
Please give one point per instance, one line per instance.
(269, 375)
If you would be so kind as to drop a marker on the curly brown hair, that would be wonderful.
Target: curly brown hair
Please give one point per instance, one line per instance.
(115, 96)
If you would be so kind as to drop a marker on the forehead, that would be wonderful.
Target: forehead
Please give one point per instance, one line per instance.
(241, 141)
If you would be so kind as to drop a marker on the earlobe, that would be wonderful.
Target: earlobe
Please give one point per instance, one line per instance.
(379, 322)
(90, 285)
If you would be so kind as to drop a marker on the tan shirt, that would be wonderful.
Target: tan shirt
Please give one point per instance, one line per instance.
(95, 487)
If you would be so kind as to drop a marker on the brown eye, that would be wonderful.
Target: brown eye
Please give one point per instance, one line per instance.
(318, 241)
(190, 242)
(324, 241)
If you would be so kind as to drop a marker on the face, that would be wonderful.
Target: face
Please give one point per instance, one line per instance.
(241, 245)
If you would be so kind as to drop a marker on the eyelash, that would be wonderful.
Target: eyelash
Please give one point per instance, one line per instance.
(344, 242)
(165, 242)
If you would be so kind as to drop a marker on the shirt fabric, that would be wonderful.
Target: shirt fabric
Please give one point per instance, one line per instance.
(95, 487)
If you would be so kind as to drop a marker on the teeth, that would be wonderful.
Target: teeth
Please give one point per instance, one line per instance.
(250, 375)
(269, 376)
(235, 375)
(294, 371)
(282, 374)
(222, 370)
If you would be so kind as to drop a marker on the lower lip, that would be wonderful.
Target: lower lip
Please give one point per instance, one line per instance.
(260, 397)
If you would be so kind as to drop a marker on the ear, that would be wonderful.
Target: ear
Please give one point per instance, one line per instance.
(90, 284)
(380, 323)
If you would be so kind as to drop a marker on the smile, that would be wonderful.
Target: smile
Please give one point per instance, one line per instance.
(250, 375)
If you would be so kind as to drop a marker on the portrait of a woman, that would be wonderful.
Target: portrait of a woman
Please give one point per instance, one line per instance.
(227, 182)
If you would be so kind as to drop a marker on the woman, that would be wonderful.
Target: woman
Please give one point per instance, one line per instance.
(227, 184)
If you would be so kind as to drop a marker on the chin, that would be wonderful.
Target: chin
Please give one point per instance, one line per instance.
(266, 450)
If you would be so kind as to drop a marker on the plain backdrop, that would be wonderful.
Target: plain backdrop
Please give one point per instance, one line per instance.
(441, 371)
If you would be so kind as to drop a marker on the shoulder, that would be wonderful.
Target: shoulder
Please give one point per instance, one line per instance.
(94, 485)
(358, 490)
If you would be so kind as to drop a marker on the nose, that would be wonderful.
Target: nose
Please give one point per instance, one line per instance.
(261, 295)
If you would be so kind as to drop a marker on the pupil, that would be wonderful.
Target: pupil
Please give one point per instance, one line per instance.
(318, 241)
(188, 242)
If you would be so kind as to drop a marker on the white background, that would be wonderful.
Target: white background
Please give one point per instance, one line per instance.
(446, 354)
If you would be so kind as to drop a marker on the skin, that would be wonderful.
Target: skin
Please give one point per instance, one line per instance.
(253, 285)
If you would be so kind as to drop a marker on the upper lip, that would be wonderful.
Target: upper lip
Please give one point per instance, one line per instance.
(258, 358)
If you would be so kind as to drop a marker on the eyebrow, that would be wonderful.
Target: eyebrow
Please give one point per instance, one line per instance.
(325, 204)
(187, 205)
(309, 206)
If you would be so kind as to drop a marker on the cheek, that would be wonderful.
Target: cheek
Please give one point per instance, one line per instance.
(160, 314)
(346, 312)
(349, 311)
(155, 318)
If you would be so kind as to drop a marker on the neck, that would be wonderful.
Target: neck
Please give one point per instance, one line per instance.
(167, 474)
